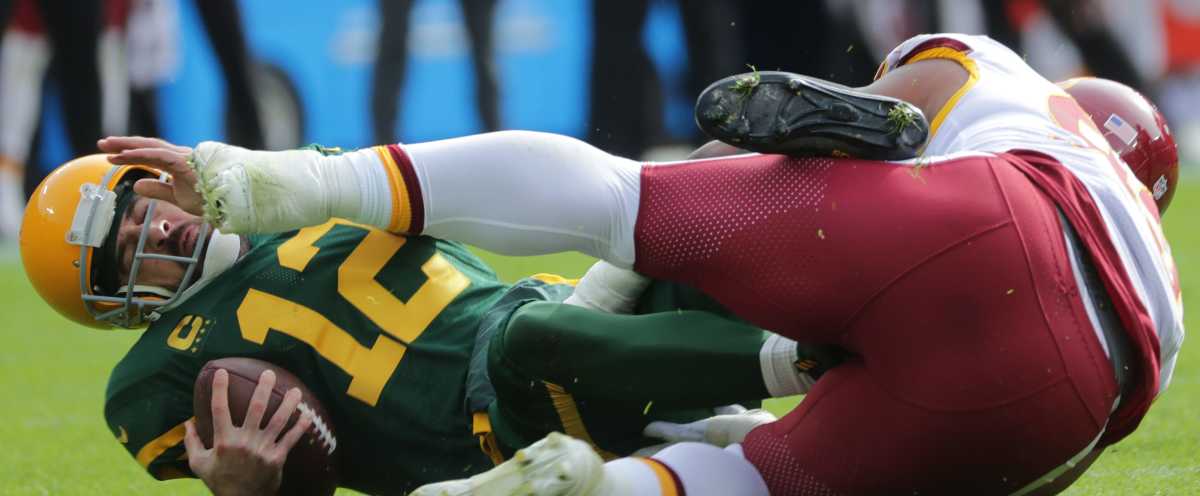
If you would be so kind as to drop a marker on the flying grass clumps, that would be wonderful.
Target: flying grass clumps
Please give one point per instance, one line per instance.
(900, 117)
(745, 85)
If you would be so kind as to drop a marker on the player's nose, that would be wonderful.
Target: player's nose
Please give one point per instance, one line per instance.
(159, 236)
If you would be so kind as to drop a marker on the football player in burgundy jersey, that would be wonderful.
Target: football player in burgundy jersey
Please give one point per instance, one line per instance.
(1008, 300)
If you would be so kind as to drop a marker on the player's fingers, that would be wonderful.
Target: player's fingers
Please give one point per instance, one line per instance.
(288, 406)
(293, 434)
(220, 404)
(258, 401)
(117, 144)
(155, 189)
(191, 440)
(170, 161)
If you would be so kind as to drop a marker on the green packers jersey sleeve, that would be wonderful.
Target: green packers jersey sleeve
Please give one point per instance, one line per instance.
(148, 421)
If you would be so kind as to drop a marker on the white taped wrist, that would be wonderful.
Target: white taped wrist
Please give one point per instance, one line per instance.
(777, 358)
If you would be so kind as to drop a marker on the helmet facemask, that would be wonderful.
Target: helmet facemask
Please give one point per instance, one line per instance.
(94, 229)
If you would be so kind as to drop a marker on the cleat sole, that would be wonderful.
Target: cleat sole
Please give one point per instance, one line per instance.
(784, 113)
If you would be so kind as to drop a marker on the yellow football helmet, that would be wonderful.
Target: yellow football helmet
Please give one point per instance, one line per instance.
(69, 223)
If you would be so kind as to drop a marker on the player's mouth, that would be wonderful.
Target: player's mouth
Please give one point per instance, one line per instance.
(189, 240)
(184, 239)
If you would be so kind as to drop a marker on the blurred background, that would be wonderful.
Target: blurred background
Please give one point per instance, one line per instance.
(620, 73)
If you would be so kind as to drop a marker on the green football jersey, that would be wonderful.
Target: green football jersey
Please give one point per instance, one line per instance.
(380, 327)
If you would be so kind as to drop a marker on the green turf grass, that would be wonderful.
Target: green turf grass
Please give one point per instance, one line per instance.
(53, 439)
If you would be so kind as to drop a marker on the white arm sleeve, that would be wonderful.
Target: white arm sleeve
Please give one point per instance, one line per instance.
(529, 193)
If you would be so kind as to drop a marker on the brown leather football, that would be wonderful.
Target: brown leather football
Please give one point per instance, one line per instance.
(311, 467)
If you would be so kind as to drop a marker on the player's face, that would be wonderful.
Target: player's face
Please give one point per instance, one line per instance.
(172, 232)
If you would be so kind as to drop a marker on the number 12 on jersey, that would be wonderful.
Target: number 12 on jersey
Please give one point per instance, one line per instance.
(402, 322)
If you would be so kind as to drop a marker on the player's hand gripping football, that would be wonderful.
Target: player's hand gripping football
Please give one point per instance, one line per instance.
(154, 152)
(246, 459)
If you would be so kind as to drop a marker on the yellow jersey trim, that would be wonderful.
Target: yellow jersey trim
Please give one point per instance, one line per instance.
(160, 444)
(554, 279)
(572, 421)
(972, 77)
(481, 427)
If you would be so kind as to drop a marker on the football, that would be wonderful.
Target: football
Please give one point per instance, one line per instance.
(311, 467)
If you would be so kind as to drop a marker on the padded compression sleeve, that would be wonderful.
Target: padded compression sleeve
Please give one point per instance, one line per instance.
(528, 193)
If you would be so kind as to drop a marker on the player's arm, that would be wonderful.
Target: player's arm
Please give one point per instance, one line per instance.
(149, 423)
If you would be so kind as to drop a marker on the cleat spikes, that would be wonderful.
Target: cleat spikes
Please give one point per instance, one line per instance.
(791, 114)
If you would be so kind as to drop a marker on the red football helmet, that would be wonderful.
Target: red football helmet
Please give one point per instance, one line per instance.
(1135, 130)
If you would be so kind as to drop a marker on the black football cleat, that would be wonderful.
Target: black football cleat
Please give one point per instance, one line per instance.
(790, 114)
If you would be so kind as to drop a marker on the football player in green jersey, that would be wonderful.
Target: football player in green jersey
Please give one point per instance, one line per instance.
(430, 367)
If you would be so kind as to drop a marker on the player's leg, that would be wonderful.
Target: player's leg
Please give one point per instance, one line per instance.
(74, 30)
(793, 245)
(478, 16)
(512, 192)
(561, 466)
(602, 377)
(854, 435)
(975, 378)
(391, 61)
(223, 25)
(24, 56)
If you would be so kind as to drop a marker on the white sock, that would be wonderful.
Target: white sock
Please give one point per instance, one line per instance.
(367, 199)
(777, 358)
(12, 203)
(529, 193)
(702, 470)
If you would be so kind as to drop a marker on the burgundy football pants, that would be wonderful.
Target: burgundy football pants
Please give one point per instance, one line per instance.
(976, 371)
